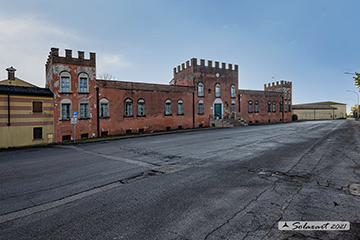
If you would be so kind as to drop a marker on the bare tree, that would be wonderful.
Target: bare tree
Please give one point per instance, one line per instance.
(106, 76)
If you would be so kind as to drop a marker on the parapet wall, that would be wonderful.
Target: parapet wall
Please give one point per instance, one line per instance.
(68, 59)
(277, 85)
(194, 64)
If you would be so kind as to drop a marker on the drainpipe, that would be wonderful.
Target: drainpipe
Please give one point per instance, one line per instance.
(97, 112)
(193, 108)
(8, 109)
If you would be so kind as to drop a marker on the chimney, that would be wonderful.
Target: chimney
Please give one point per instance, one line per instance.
(11, 73)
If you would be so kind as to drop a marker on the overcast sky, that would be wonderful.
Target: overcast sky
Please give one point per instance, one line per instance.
(309, 42)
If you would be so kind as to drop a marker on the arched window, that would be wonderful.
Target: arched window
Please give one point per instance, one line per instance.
(289, 95)
(285, 108)
(233, 106)
(269, 106)
(201, 107)
(168, 107)
(84, 107)
(180, 110)
(256, 106)
(232, 91)
(141, 108)
(65, 105)
(285, 96)
(104, 108)
(217, 90)
(250, 106)
(83, 83)
(200, 89)
(274, 107)
(289, 107)
(128, 107)
(65, 82)
(281, 106)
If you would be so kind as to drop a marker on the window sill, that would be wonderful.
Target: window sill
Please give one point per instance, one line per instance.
(65, 119)
(38, 139)
(37, 112)
(129, 116)
(200, 114)
(105, 117)
(83, 92)
(168, 114)
(86, 118)
(201, 96)
(65, 92)
(141, 116)
(180, 114)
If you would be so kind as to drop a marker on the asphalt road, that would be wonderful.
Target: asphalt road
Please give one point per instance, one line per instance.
(216, 184)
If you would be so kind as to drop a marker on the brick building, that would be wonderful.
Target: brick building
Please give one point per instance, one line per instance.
(197, 93)
(272, 105)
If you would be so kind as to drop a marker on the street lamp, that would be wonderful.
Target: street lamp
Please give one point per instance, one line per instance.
(357, 117)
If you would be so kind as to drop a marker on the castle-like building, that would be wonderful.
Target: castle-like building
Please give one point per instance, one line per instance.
(199, 93)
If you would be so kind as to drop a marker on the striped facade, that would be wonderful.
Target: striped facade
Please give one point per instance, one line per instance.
(20, 123)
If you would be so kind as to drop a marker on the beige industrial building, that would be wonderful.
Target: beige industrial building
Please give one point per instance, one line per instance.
(320, 110)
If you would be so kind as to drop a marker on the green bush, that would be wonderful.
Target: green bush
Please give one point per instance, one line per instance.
(294, 117)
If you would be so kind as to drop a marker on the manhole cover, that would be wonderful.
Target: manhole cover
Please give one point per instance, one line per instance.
(354, 189)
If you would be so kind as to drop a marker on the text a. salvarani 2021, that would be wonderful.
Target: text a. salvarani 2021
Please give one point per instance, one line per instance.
(314, 225)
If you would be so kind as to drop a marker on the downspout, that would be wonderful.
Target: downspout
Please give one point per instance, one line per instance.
(193, 108)
(8, 109)
(97, 112)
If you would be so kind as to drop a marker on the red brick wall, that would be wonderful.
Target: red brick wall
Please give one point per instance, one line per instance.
(75, 66)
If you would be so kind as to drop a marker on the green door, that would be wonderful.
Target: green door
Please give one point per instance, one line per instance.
(217, 112)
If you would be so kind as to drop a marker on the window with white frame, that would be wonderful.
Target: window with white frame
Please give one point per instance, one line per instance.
(274, 107)
(285, 108)
(84, 110)
(217, 90)
(141, 107)
(250, 106)
(180, 110)
(232, 91)
(65, 82)
(201, 107)
(233, 106)
(65, 106)
(104, 108)
(168, 107)
(269, 106)
(289, 95)
(256, 107)
(83, 83)
(128, 107)
(200, 89)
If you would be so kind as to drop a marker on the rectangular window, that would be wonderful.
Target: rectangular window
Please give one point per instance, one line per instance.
(180, 108)
(37, 107)
(84, 110)
(274, 107)
(201, 108)
(233, 107)
(168, 108)
(281, 107)
(65, 111)
(84, 135)
(141, 109)
(65, 84)
(269, 106)
(66, 137)
(104, 110)
(289, 107)
(83, 85)
(37, 133)
(285, 107)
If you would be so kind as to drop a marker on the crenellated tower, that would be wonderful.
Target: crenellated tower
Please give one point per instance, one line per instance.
(73, 82)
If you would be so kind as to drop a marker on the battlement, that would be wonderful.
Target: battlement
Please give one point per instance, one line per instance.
(194, 64)
(68, 59)
(277, 85)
